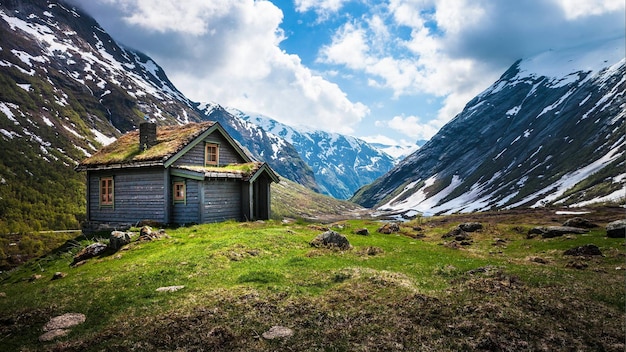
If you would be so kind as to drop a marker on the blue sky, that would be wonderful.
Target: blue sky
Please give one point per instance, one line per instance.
(393, 71)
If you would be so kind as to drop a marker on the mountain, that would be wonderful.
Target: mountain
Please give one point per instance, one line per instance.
(341, 164)
(550, 131)
(276, 151)
(66, 89)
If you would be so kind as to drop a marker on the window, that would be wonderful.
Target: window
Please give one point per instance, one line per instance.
(106, 191)
(211, 154)
(179, 191)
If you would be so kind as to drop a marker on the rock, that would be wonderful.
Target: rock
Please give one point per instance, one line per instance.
(371, 251)
(88, 252)
(458, 234)
(389, 228)
(362, 232)
(471, 226)
(277, 332)
(331, 239)
(616, 229)
(586, 250)
(51, 335)
(146, 233)
(580, 223)
(119, 239)
(555, 231)
(65, 321)
(58, 275)
(170, 288)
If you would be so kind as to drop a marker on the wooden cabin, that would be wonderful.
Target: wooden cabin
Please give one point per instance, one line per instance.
(194, 173)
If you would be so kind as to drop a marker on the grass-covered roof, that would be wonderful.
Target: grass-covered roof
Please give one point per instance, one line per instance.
(126, 150)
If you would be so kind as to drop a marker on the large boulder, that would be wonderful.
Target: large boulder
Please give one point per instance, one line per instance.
(331, 239)
(616, 229)
(555, 231)
(580, 223)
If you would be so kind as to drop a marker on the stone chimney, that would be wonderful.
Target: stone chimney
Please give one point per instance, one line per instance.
(147, 135)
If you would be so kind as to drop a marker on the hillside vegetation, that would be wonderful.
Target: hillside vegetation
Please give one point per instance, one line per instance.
(409, 290)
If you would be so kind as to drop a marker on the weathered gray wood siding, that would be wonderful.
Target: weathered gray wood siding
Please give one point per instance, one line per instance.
(227, 154)
(222, 200)
(189, 211)
(137, 195)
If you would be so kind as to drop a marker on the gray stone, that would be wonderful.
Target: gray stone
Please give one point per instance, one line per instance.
(583, 251)
(65, 321)
(555, 231)
(277, 332)
(616, 229)
(88, 252)
(471, 226)
(579, 222)
(458, 234)
(170, 288)
(118, 239)
(331, 239)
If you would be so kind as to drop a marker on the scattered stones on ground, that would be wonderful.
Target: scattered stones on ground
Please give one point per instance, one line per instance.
(362, 232)
(331, 239)
(147, 234)
(583, 251)
(170, 288)
(616, 229)
(92, 250)
(471, 226)
(580, 223)
(60, 326)
(458, 234)
(119, 239)
(389, 228)
(277, 332)
(554, 231)
(58, 275)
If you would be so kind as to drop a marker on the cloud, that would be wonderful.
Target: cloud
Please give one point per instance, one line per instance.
(412, 126)
(228, 51)
(323, 8)
(454, 49)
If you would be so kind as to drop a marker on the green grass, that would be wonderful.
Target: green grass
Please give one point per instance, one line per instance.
(242, 278)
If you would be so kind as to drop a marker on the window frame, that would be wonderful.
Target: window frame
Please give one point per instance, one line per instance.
(175, 192)
(208, 162)
(106, 191)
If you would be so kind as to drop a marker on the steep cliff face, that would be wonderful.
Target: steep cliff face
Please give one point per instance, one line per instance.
(549, 131)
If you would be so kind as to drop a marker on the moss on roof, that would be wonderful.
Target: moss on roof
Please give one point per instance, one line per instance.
(125, 150)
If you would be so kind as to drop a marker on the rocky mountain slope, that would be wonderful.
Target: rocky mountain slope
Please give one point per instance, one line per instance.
(341, 164)
(549, 131)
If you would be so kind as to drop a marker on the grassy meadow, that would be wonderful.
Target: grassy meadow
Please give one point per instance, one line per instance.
(410, 290)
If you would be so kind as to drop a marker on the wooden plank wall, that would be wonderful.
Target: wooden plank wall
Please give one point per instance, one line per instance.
(188, 212)
(138, 195)
(222, 200)
(195, 156)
